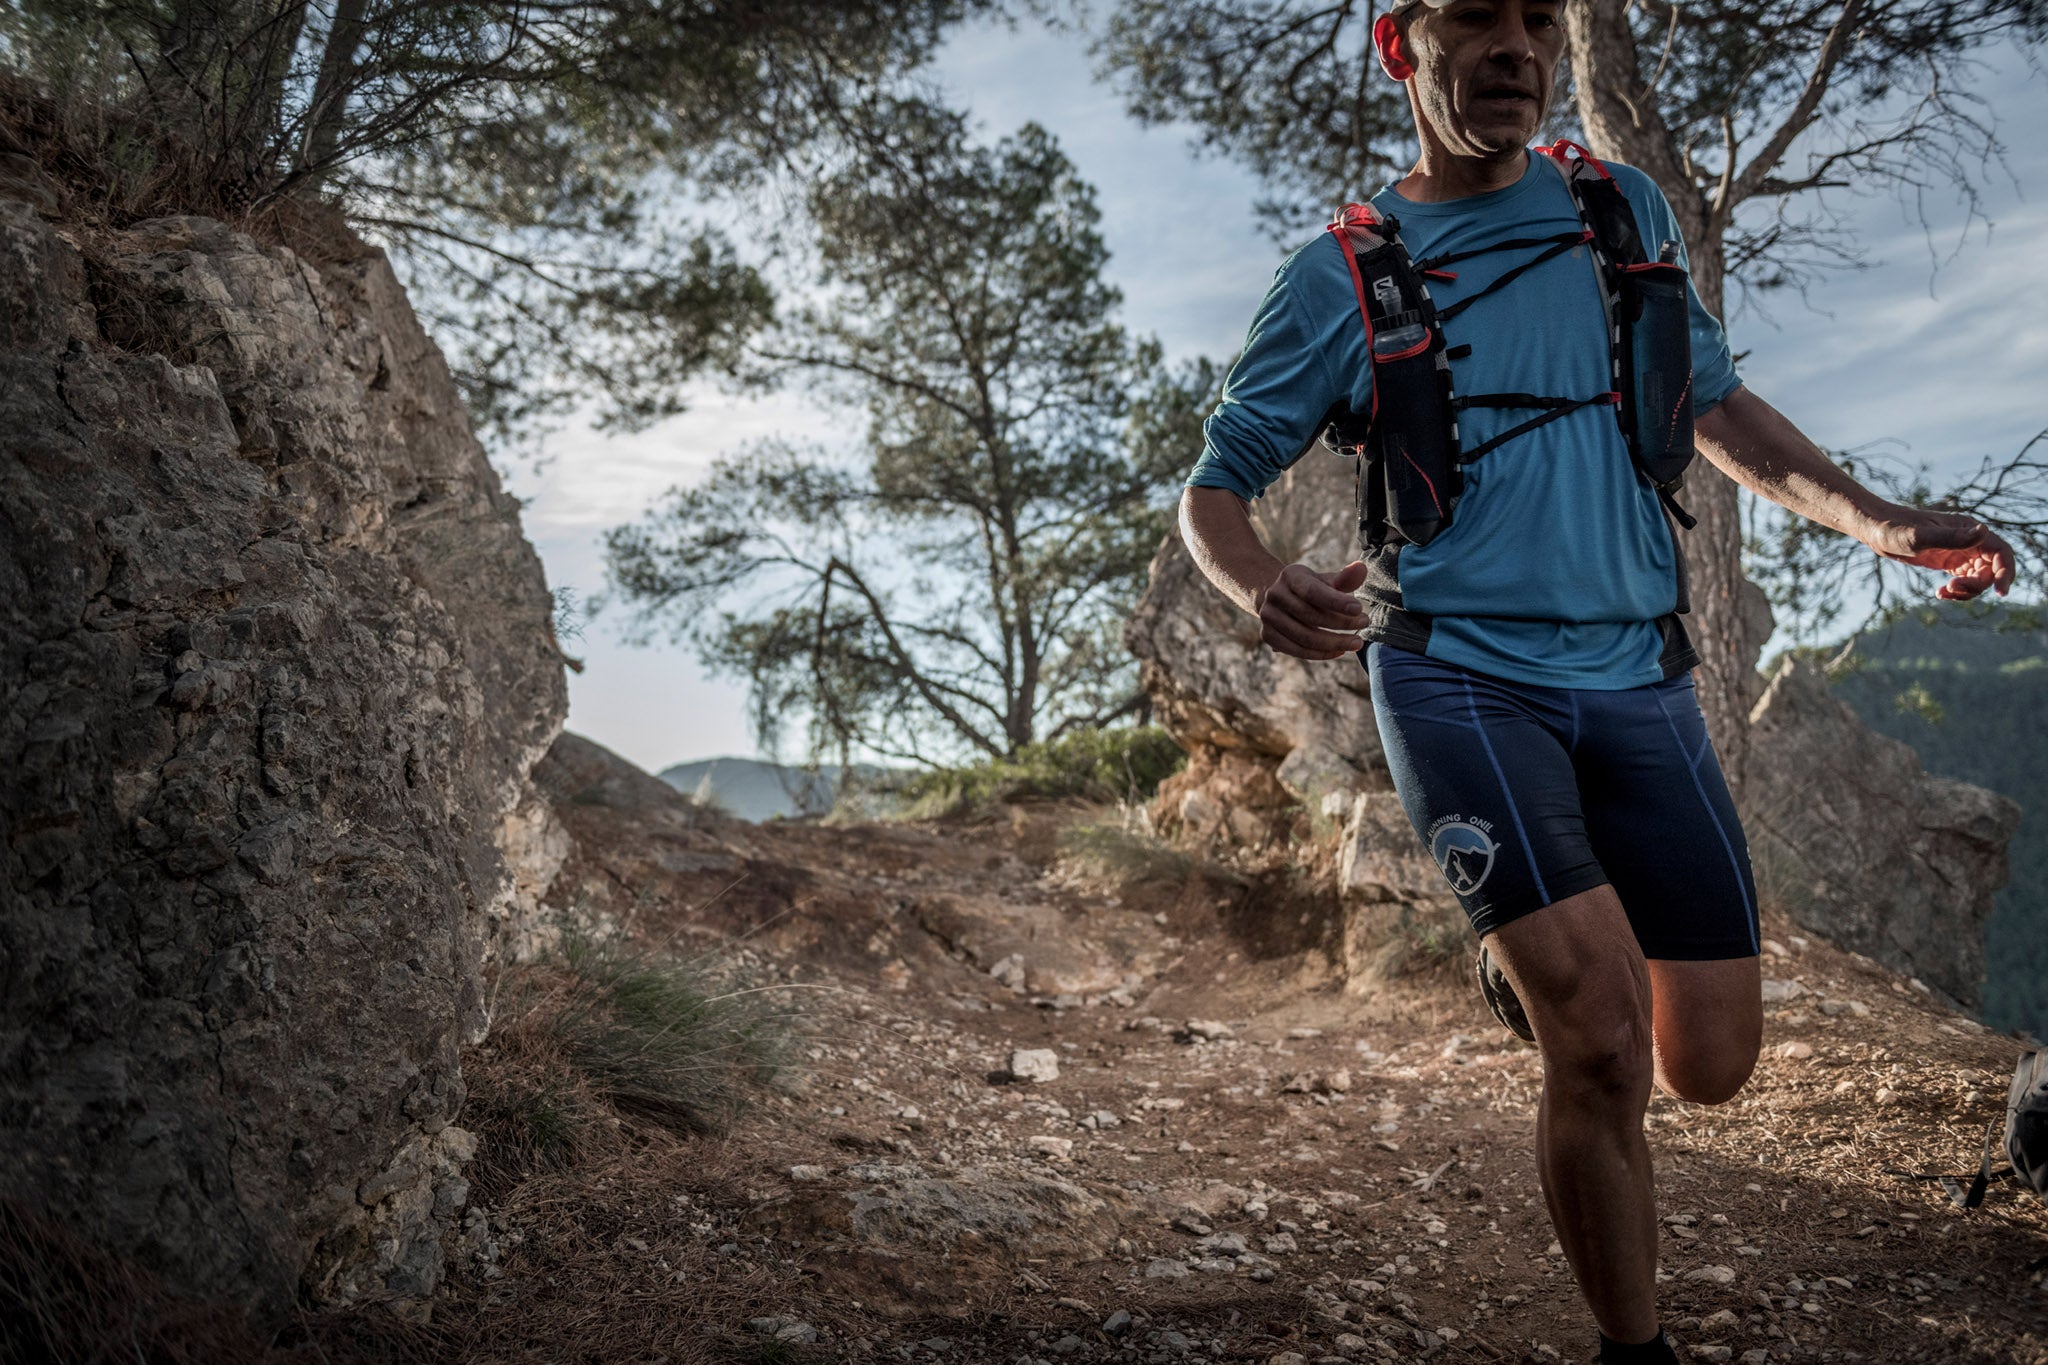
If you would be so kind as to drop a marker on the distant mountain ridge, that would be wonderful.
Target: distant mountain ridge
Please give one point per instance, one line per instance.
(755, 789)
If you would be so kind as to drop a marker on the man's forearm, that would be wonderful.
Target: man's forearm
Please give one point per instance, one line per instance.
(1759, 447)
(1218, 531)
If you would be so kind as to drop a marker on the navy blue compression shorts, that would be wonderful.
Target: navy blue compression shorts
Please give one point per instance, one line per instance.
(1526, 795)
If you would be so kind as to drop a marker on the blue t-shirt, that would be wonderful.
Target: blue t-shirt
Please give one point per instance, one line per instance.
(1559, 561)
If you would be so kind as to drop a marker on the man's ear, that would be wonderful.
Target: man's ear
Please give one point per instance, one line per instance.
(1392, 45)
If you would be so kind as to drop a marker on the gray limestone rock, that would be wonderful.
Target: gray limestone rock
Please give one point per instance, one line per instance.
(1848, 831)
(275, 663)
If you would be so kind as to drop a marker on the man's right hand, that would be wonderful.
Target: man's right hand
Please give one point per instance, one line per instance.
(1313, 615)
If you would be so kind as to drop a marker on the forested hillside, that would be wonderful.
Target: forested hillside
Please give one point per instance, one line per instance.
(1969, 694)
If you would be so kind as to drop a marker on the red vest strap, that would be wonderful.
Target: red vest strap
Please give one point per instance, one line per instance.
(1557, 151)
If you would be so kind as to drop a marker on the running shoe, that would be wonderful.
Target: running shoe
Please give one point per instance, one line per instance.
(1501, 997)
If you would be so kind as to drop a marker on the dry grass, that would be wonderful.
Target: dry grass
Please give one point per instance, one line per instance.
(109, 166)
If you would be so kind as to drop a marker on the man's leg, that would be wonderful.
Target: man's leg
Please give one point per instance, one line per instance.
(1587, 991)
(1708, 1020)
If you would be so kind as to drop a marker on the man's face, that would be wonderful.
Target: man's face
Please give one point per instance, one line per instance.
(1484, 71)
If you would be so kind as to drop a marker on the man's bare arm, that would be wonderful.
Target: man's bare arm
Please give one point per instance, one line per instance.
(1759, 447)
(1301, 612)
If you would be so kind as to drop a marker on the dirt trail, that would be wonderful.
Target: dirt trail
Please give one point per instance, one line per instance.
(1241, 1162)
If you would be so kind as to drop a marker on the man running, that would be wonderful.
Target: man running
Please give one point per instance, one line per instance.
(1530, 674)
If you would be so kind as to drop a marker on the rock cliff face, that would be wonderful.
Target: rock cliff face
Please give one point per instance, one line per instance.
(275, 662)
(1261, 729)
(1862, 845)
(1845, 826)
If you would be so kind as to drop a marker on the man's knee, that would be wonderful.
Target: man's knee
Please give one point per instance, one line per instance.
(1705, 1077)
(1599, 1056)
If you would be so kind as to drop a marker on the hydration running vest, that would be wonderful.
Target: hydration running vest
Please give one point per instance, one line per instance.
(1410, 459)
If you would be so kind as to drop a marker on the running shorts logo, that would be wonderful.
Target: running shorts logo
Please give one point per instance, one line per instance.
(1464, 851)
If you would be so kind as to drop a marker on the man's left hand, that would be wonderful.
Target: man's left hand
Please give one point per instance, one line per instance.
(1969, 552)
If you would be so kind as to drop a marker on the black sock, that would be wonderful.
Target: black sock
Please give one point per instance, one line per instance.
(1656, 1351)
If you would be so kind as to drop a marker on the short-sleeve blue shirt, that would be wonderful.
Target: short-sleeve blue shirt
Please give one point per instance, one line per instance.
(1560, 561)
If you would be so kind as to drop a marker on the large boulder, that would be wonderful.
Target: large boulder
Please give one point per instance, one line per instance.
(1261, 729)
(1849, 833)
(275, 663)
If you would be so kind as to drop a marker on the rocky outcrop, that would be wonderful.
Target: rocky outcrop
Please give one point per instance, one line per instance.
(1859, 843)
(275, 663)
(1261, 729)
(1847, 831)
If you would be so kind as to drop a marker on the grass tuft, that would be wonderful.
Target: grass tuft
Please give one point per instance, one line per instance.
(1121, 764)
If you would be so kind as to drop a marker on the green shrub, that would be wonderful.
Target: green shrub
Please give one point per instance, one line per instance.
(1123, 764)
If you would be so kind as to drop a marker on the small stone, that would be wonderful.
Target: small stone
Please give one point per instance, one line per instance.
(1067, 1345)
(1287, 1358)
(1775, 948)
(1886, 1095)
(1035, 1064)
(1209, 1030)
(1188, 1222)
(1712, 1274)
(1223, 1244)
(1350, 1343)
(807, 1173)
(1117, 1323)
(1778, 992)
(1280, 1244)
(1103, 1118)
(1009, 972)
(1715, 1354)
(1300, 1084)
(1058, 1148)
(1338, 1082)
(1723, 1321)
(1795, 1051)
(1264, 1274)
(1834, 1009)
(1163, 1269)
(778, 1328)
(1302, 1034)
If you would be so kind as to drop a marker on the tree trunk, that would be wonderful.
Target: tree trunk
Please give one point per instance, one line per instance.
(1730, 617)
(331, 90)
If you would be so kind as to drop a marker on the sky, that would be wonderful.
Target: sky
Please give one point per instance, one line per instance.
(1940, 345)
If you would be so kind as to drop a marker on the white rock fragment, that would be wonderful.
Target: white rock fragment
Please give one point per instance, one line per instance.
(1795, 1051)
(1045, 1144)
(1209, 1030)
(1035, 1064)
(1712, 1274)
(1009, 972)
(1778, 992)
(1163, 1269)
(807, 1173)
